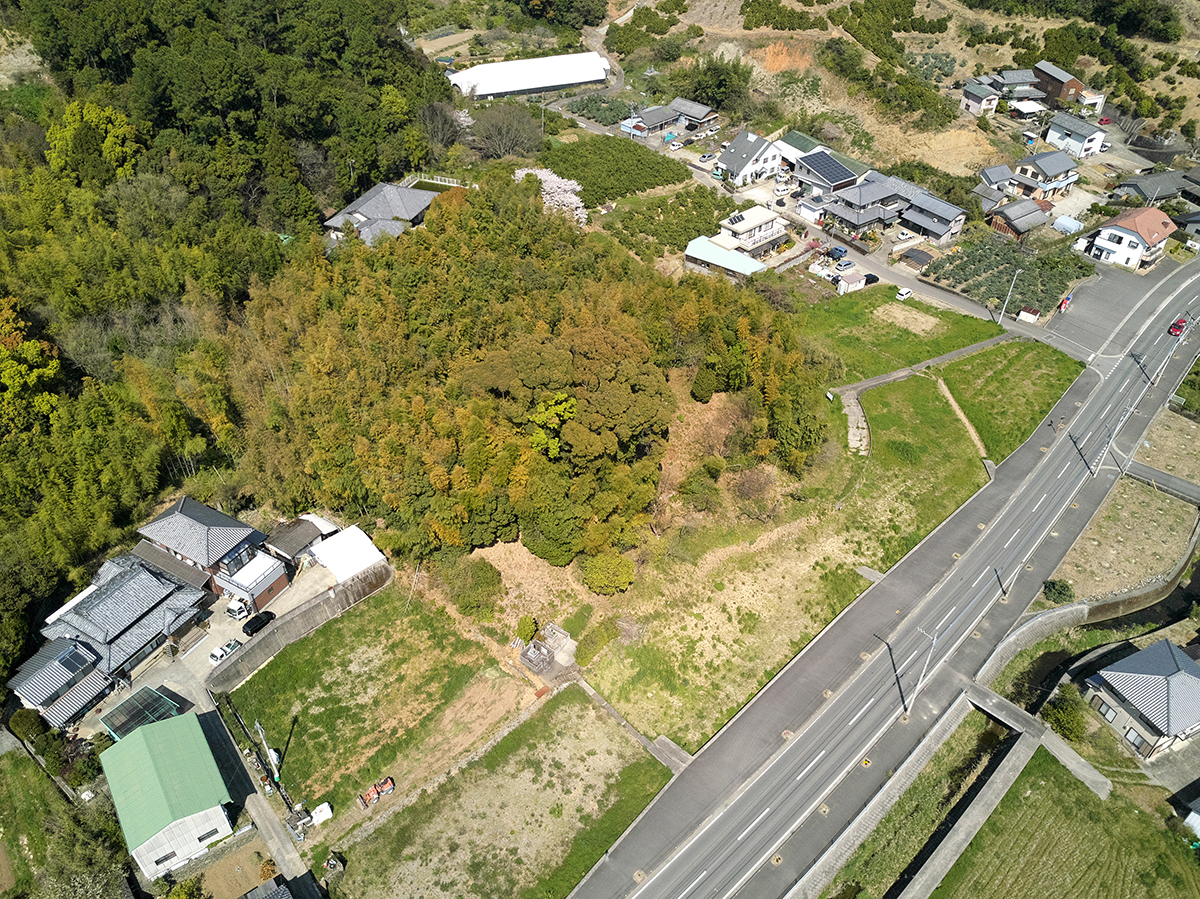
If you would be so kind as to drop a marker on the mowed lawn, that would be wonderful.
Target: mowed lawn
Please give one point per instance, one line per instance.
(27, 798)
(874, 334)
(1006, 390)
(526, 821)
(923, 466)
(347, 700)
(1052, 838)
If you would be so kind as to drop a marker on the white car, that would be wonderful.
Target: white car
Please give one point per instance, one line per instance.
(676, 145)
(782, 190)
(905, 235)
(903, 293)
(221, 653)
(725, 144)
(711, 131)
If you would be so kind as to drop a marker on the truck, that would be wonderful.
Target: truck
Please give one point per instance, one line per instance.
(238, 608)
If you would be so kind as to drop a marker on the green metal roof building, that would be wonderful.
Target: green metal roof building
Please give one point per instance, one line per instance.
(169, 794)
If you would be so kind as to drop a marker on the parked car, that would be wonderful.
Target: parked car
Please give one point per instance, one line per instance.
(257, 623)
(1105, 147)
(870, 279)
(828, 275)
(903, 293)
(781, 202)
(1105, 120)
(719, 174)
(1176, 329)
(711, 131)
(708, 157)
(781, 190)
(781, 178)
(725, 144)
(845, 265)
(797, 194)
(838, 252)
(221, 653)
(689, 141)
(676, 145)
(905, 235)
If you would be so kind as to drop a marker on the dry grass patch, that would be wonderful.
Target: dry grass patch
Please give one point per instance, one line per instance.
(1172, 445)
(1138, 533)
(912, 319)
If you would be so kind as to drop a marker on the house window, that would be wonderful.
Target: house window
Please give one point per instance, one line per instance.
(1105, 709)
(1136, 740)
(1115, 239)
(205, 837)
(1133, 244)
(166, 858)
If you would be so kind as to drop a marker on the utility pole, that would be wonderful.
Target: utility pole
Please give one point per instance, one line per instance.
(270, 755)
(1009, 297)
(932, 643)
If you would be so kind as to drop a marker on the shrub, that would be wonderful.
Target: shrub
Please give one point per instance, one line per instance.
(577, 622)
(594, 640)
(904, 451)
(607, 573)
(27, 724)
(607, 168)
(1058, 591)
(713, 466)
(704, 385)
(474, 585)
(526, 628)
(1064, 713)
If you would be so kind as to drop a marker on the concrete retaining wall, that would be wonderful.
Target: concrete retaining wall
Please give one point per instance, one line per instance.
(300, 622)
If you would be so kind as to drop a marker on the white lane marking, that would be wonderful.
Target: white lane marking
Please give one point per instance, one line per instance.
(1039, 502)
(1156, 341)
(687, 846)
(692, 886)
(1064, 468)
(810, 765)
(752, 823)
(1106, 408)
(982, 575)
(1013, 537)
(908, 661)
(1123, 385)
(862, 711)
(943, 621)
(1084, 440)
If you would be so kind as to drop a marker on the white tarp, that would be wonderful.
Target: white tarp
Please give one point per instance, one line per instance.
(347, 553)
(499, 79)
(1067, 225)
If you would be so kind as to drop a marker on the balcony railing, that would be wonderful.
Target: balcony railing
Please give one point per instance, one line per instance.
(757, 240)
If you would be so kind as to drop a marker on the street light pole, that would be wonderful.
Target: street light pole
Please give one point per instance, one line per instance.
(932, 643)
(1010, 290)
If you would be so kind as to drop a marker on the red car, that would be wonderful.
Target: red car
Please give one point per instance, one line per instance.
(1105, 121)
(1176, 329)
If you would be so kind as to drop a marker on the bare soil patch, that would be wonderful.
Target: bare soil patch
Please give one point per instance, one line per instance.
(1172, 445)
(235, 873)
(8, 880)
(699, 430)
(912, 319)
(533, 586)
(17, 58)
(962, 416)
(1137, 534)
(445, 43)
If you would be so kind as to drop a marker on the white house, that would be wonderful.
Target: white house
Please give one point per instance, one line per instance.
(753, 232)
(749, 157)
(1134, 238)
(169, 794)
(979, 99)
(1074, 135)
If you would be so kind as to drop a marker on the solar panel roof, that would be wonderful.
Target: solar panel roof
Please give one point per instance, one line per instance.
(828, 168)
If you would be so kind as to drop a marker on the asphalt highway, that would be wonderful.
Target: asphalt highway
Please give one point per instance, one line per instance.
(739, 839)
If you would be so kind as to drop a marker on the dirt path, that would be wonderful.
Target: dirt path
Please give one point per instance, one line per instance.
(962, 416)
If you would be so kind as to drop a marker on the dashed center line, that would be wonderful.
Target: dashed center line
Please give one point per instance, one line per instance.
(1013, 537)
(810, 765)
(761, 815)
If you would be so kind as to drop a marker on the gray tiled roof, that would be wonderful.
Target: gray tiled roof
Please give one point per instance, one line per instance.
(989, 197)
(1158, 185)
(691, 109)
(1018, 76)
(1023, 215)
(1162, 683)
(275, 888)
(1049, 68)
(860, 217)
(918, 218)
(53, 666)
(741, 150)
(197, 532)
(293, 536)
(995, 175)
(1075, 126)
(165, 563)
(1051, 163)
(385, 202)
(936, 207)
(78, 698)
(654, 116)
(979, 91)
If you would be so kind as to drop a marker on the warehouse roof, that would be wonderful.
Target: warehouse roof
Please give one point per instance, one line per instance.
(497, 79)
(160, 773)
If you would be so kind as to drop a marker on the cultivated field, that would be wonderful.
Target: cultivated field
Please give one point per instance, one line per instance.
(528, 820)
(1051, 837)
(391, 688)
(1007, 390)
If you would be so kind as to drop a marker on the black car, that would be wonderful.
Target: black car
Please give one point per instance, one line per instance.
(797, 194)
(780, 202)
(257, 622)
(871, 279)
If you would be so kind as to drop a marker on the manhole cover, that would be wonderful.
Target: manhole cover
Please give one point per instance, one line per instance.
(1043, 449)
(982, 526)
(864, 656)
(1077, 405)
(1029, 568)
(777, 860)
(828, 693)
(904, 718)
(824, 809)
(1074, 505)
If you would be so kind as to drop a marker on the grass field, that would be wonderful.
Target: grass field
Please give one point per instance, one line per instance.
(27, 797)
(923, 466)
(874, 335)
(721, 623)
(350, 700)
(1006, 390)
(895, 842)
(527, 820)
(1051, 837)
